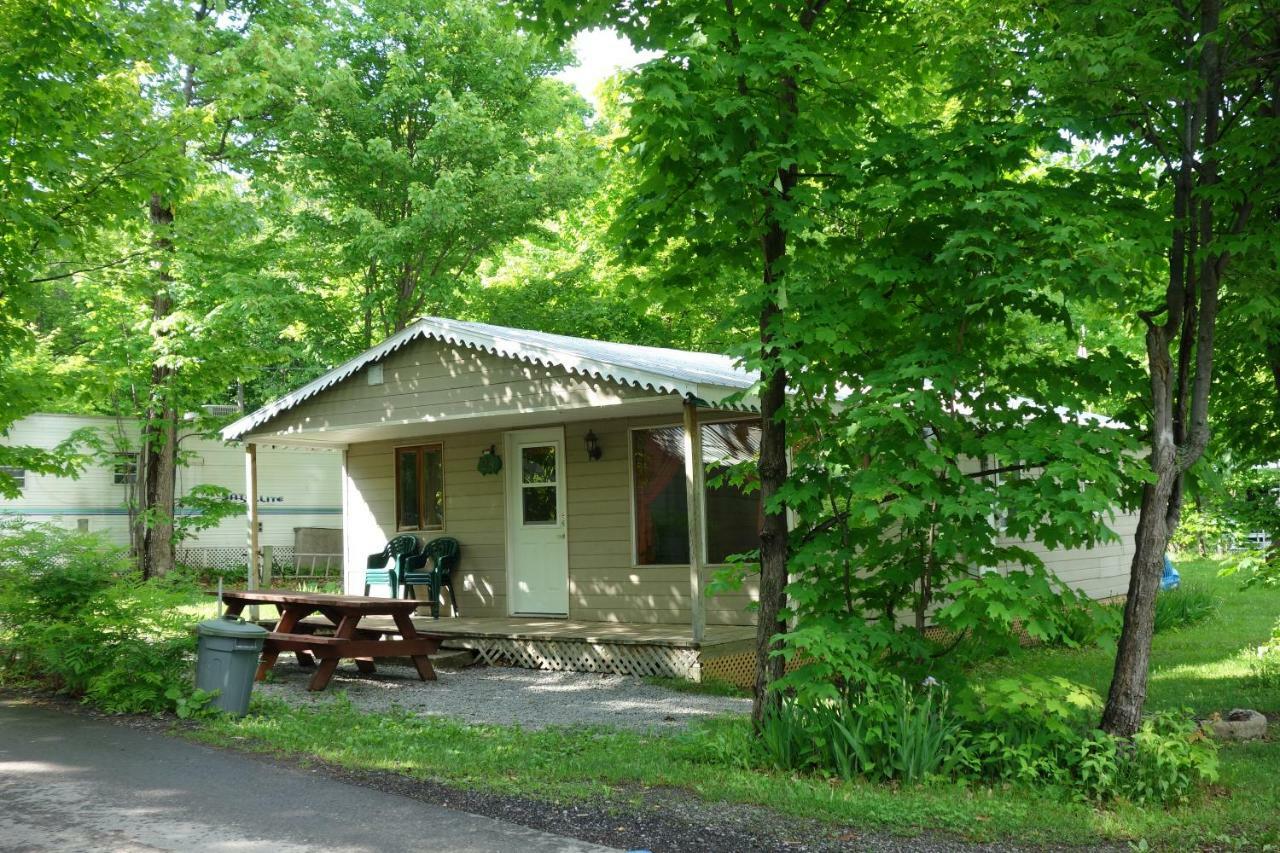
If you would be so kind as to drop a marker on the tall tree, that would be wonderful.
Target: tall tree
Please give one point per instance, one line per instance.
(569, 276)
(433, 136)
(736, 131)
(152, 290)
(1186, 93)
(77, 150)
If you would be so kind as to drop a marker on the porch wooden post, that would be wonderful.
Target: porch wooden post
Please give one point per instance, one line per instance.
(693, 492)
(349, 586)
(251, 502)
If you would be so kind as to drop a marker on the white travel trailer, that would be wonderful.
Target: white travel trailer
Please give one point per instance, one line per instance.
(302, 511)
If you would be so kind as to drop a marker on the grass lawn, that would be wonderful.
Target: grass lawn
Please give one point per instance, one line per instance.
(1199, 668)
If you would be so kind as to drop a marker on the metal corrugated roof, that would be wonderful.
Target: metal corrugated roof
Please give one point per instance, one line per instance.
(706, 376)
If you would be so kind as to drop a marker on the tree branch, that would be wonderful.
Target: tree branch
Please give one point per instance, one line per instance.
(73, 273)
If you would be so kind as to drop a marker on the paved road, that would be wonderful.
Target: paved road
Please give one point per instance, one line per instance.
(73, 783)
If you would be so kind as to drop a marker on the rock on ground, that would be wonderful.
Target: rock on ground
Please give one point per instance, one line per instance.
(1238, 724)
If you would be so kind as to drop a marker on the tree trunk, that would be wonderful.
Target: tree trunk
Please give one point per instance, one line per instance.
(771, 623)
(1123, 713)
(1273, 362)
(158, 450)
(158, 468)
(773, 532)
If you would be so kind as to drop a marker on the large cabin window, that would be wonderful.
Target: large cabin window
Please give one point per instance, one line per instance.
(731, 514)
(661, 507)
(420, 487)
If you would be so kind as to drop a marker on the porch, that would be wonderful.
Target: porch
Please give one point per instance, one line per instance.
(725, 652)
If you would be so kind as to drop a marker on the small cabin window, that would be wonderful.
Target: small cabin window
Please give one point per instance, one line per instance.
(125, 469)
(18, 475)
(420, 487)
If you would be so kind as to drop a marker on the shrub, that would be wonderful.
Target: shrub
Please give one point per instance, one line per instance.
(1257, 567)
(1035, 731)
(883, 731)
(1186, 605)
(1026, 730)
(1264, 661)
(1170, 757)
(75, 618)
(1040, 731)
(1088, 623)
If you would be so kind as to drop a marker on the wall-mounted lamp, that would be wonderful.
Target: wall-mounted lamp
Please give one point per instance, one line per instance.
(593, 446)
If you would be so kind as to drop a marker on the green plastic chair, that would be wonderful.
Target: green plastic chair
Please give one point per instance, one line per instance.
(397, 552)
(443, 555)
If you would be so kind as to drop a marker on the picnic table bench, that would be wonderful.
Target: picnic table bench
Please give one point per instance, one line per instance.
(349, 640)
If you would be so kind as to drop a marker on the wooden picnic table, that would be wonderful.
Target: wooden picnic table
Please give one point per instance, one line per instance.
(349, 640)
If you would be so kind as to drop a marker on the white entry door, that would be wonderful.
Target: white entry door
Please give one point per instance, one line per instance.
(537, 548)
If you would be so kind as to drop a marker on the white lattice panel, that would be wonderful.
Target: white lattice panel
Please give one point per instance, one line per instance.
(582, 656)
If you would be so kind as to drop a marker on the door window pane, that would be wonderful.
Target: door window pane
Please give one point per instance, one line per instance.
(661, 508)
(539, 504)
(538, 464)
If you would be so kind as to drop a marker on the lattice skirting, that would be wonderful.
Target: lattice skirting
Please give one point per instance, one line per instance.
(582, 656)
(738, 669)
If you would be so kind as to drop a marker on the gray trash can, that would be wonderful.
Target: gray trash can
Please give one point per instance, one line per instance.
(228, 660)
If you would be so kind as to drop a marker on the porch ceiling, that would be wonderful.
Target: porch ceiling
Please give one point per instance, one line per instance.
(318, 433)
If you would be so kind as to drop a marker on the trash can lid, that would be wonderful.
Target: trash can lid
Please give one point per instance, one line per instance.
(231, 627)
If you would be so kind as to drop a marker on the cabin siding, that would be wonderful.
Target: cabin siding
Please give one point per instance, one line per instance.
(1101, 571)
(427, 381)
(604, 585)
(473, 514)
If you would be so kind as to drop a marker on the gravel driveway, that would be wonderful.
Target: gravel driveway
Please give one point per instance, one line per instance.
(507, 696)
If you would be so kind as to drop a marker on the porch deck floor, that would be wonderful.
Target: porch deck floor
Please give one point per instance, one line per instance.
(534, 628)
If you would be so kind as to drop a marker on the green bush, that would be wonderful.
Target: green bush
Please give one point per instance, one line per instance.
(1170, 758)
(1186, 605)
(881, 732)
(75, 618)
(1264, 661)
(1088, 623)
(1257, 567)
(1033, 731)
(1027, 729)
(1040, 731)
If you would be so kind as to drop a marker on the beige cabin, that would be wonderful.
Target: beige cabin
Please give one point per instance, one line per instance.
(592, 545)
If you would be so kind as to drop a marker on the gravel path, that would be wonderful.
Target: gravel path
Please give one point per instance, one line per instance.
(508, 696)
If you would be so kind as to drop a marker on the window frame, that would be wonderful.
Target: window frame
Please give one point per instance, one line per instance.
(125, 465)
(422, 485)
(631, 491)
